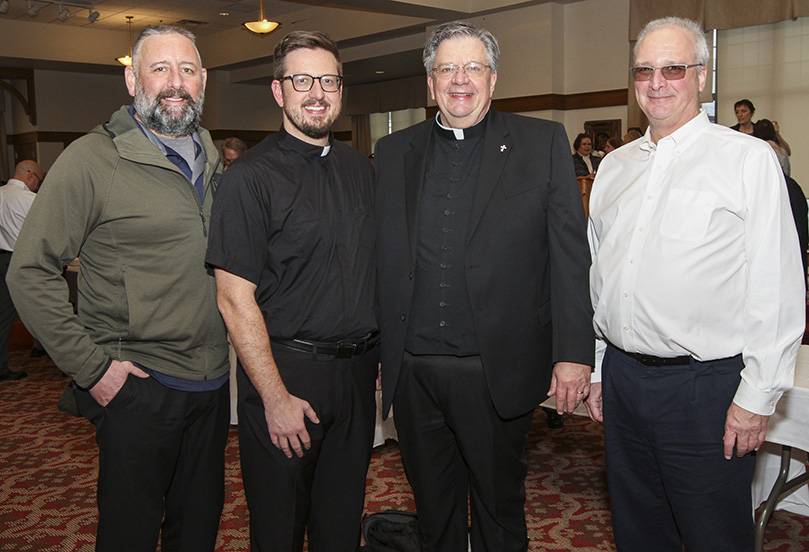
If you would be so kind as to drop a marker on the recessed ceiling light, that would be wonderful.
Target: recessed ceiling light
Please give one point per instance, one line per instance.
(380, 72)
(224, 13)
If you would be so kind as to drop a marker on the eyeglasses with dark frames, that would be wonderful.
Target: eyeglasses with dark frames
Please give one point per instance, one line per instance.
(36, 176)
(304, 83)
(473, 70)
(669, 72)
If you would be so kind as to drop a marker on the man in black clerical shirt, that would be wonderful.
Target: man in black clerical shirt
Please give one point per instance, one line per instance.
(483, 294)
(292, 243)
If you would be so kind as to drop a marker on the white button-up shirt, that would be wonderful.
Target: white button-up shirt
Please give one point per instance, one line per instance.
(15, 201)
(695, 253)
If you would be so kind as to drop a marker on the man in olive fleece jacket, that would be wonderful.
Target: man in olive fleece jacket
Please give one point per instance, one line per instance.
(147, 350)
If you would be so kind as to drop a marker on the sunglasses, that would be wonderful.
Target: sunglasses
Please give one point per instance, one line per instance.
(669, 72)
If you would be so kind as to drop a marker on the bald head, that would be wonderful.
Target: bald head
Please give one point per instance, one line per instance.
(30, 173)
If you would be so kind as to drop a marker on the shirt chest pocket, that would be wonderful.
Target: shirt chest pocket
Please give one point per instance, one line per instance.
(687, 214)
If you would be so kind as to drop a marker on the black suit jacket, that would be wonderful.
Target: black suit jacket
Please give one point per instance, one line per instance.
(527, 259)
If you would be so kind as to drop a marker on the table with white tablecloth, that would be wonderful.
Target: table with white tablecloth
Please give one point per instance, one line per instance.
(788, 427)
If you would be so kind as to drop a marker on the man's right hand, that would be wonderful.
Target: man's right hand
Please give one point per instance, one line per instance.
(112, 381)
(285, 421)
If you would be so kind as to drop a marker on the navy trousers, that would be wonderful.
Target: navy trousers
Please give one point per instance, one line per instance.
(669, 483)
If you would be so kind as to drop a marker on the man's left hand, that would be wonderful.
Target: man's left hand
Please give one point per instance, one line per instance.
(743, 429)
(571, 385)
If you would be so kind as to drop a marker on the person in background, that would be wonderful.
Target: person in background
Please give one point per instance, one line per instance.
(744, 110)
(147, 350)
(765, 130)
(612, 144)
(292, 243)
(631, 135)
(231, 150)
(584, 163)
(483, 305)
(16, 198)
(699, 307)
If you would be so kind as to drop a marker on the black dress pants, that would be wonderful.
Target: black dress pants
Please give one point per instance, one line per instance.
(669, 483)
(322, 493)
(455, 447)
(7, 312)
(161, 466)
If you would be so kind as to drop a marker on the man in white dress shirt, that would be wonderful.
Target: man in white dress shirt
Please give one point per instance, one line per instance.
(699, 305)
(16, 198)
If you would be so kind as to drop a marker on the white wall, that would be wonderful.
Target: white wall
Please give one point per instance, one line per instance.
(769, 65)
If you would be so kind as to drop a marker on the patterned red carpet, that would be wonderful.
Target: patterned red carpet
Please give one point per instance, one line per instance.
(48, 465)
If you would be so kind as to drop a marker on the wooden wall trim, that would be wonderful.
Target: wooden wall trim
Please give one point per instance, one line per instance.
(522, 104)
(558, 102)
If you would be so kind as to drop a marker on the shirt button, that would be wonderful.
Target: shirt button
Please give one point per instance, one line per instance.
(626, 328)
(442, 323)
(447, 212)
(626, 294)
(640, 229)
(442, 304)
(631, 261)
(403, 317)
(410, 276)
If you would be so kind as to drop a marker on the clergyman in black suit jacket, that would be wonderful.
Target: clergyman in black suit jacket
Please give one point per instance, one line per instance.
(483, 294)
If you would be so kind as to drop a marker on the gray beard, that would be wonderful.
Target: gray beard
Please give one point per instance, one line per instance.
(169, 121)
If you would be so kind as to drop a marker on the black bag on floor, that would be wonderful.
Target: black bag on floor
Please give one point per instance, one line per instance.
(391, 531)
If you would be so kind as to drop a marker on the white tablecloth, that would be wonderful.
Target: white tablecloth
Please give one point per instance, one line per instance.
(788, 426)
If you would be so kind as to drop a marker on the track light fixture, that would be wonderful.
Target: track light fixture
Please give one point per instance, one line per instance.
(35, 5)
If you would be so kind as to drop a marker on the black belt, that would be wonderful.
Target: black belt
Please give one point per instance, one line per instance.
(4, 252)
(343, 349)
(649, 360)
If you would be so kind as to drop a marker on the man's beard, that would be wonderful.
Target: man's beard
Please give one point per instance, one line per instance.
(169, 120)
(298, 120)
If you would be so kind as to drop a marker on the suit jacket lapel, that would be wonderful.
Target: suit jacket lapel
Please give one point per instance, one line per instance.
(414, 166)
(496, 147)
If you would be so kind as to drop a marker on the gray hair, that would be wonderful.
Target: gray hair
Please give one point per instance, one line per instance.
(701, 51)
(457, 29)
(161, 30)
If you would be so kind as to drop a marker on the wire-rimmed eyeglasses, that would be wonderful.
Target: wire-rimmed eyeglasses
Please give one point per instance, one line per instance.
(669, 72)
(304, 83)
(473, 70)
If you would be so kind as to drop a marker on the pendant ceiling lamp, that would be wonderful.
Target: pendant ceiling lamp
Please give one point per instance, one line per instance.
(262, 26)
(127, 59)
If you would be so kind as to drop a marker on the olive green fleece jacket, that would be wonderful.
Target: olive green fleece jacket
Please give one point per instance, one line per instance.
(144, 294)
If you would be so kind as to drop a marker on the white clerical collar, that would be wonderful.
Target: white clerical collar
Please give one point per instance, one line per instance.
(326, 150)
(458, 132)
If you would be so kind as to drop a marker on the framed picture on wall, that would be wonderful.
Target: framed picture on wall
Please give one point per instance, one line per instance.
(601, 131)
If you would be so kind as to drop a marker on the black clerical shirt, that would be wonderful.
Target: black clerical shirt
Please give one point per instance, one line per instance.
(441, 320)
(296, 220)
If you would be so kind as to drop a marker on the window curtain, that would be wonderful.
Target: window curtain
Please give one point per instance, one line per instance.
(361, 133)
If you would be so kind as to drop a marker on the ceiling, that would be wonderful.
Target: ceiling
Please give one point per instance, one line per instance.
(361, 24)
